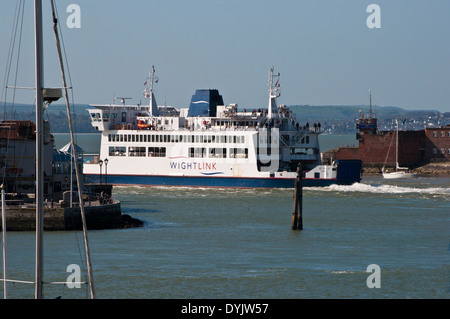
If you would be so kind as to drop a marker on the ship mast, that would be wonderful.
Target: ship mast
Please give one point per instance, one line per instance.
(153, 107)
(152, 74)
(274, 92)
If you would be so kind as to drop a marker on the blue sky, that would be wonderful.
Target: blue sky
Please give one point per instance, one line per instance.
(323, 49)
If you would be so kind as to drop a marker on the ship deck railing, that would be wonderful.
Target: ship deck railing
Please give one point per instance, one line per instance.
(214, 129)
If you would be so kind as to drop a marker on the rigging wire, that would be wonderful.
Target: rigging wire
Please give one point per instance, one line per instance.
(10, 54)
(67, 67)
(83, 218)
(18, 56)
(55, 12)
(15, 49)
(17, 29)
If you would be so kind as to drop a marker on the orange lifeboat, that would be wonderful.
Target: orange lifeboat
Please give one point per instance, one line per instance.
(142, 125)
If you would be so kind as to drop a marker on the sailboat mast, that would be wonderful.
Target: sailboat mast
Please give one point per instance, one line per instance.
(396, 148)
(39, 82)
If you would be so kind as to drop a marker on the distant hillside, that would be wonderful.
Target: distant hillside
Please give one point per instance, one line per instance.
(341, 119)
(336, 119)
(350, 112)
(55, 114)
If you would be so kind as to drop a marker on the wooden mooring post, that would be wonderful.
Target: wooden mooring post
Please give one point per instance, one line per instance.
(297, 214)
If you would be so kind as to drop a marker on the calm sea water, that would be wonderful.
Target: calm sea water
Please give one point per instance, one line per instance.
(238, 243)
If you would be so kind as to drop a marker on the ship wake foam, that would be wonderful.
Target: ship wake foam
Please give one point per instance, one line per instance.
(382, 189)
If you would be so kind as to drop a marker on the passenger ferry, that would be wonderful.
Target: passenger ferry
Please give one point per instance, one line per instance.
(209, 144)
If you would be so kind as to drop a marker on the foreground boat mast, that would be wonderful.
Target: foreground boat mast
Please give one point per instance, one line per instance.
(39, 86)
(39, 80)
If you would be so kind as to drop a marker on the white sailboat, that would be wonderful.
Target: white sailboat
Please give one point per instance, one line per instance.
(399, 172)
(42, 97)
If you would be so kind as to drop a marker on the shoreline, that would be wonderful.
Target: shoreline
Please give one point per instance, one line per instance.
(432, 169)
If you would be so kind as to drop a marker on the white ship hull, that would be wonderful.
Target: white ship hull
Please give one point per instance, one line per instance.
(132, 167)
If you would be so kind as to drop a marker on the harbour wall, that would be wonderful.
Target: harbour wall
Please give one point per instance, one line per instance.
(65, 218)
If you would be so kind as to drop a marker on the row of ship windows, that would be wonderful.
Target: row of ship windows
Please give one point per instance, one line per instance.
(161, 138)
(435, 134)
(199, 152)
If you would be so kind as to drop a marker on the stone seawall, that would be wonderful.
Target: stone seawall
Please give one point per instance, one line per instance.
(65, 218)
(433, 169)
(97, 217)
